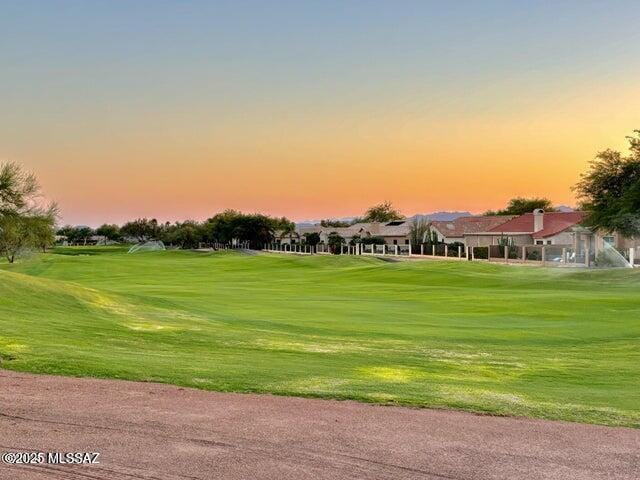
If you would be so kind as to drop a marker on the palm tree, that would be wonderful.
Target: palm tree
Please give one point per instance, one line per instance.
(289, 231)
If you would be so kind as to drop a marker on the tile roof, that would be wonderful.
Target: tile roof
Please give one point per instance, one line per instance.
(362, 228)
(467, 225)
(553, 223)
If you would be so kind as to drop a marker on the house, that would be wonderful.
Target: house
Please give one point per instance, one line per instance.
(395, 232)
(535, 228)
(456, 230)
(562, 229)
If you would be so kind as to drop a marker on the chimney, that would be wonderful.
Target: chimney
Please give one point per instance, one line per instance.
(538, 220)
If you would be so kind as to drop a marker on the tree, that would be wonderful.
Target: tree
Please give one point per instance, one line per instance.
(14, 235)
(24, 223)
(335, 242)
(288, 230)
(18, 190)
(281, 223)
(109, 231)
(328, 222)
(610, 190)
(187, 234)
(521, 205)
(311, 238)
(219, 228)
(19, 232)
(141, 229)
(82, 234)
(256, 229)
(383, 212)
(41, 228)
(71, 233)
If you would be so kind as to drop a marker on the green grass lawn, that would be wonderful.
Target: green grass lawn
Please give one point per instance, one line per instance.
(550, 343)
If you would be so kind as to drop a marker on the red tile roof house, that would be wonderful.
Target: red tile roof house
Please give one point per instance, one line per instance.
(536, 228)
(552, 228)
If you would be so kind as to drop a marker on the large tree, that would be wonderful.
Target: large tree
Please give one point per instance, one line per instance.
(610, 190)
(14, 235)
(76, 235)
(311, 238)
(288, 230)
(109, 231)
(335, 242)
(68, 231)
(521, 205)
(255, 228)
(83, 234)
(18, 190)
(220, 227)
(141, 229)
(41, 228)
(383, 212)
(187, 234)
(24, 222)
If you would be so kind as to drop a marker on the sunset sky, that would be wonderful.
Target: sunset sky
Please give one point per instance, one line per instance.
(312, 109)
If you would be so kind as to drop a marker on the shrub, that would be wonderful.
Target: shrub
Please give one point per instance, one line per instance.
(534, 255)
(453, 249)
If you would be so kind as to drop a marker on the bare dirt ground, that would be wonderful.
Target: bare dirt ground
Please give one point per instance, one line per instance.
(151, 431)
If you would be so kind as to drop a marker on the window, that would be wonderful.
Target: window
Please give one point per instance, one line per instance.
(609, 240)
(395, 242)
(539, 242)
(406, 241)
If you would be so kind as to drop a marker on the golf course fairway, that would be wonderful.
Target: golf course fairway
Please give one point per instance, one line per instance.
(541, 342)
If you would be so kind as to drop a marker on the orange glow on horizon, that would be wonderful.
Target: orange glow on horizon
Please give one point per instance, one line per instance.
(320, 169)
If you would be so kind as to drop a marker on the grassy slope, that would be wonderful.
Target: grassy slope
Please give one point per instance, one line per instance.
(548, 343)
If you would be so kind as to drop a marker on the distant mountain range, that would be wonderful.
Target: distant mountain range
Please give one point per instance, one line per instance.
(564, 208)
(437, 216)
(440, 216)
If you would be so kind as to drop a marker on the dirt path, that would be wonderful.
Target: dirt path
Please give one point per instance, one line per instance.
(150, 431)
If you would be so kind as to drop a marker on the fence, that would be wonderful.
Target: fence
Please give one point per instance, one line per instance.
(298, 248)
(224, 246)
(548, 255)
(543, 255)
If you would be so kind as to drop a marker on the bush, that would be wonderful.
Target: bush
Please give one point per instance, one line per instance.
(372, 241)
(481, 253)
(453, 249)
(534, 255)
(512, 251)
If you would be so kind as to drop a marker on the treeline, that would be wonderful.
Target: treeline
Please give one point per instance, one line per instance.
(255, 229)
